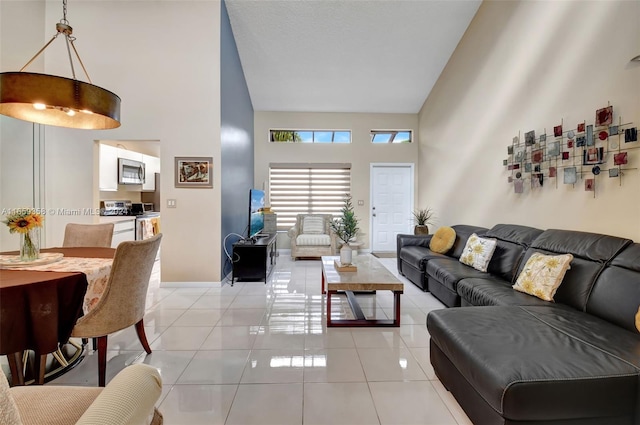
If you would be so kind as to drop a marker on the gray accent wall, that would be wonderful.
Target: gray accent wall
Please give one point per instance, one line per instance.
(236, 113)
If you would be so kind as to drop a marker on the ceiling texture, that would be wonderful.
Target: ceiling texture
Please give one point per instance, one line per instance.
(346, 55)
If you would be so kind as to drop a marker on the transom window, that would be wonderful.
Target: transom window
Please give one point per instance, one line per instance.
(307, 189)
(391, 136)
(310, 136)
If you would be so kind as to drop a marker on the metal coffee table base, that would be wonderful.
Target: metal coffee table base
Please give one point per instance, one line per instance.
(360, 319)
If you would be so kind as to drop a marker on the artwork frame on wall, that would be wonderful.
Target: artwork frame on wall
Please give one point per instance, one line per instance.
(530, 138)
(592, 156)
(194, 172)
(604, 116)
(570, 175)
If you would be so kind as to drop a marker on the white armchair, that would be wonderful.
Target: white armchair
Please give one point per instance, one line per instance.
(312, 236)
(129, 399)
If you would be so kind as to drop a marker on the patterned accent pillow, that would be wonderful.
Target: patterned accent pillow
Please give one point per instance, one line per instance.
(478, 252)
(313, 225)
(543, 274)
(442, 241)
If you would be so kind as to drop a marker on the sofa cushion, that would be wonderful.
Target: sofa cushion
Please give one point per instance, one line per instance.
(313, 225)
(313, 240)
(543, 274)
(616, 294)
(442, 240)
(494, 291)
(477, 252)
(463, 231)
(418, 256)
(448, 273)
(591, 252)
(513, 240)
(560, 361)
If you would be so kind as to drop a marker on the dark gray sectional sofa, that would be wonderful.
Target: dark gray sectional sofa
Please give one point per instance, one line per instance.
(511, 358)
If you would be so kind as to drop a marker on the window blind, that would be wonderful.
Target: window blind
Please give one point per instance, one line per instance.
(307, 189)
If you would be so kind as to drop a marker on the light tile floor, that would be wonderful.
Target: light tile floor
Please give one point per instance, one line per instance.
(261, 354)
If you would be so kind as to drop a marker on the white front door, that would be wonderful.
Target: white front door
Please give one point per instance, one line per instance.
(391, 204)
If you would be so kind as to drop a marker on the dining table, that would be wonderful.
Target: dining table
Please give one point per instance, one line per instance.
(40, 303)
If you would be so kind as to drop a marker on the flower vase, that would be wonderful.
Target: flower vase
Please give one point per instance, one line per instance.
(345, 255)
(30, 245)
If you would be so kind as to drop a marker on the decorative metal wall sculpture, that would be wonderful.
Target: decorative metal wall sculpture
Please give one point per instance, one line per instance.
(579, 153)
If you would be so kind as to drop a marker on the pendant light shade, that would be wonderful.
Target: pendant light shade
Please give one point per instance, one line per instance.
(52, 100)
(59, 101)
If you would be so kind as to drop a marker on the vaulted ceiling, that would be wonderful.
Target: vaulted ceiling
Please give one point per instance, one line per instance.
(346, 55)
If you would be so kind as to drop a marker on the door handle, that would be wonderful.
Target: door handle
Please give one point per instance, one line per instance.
(373, 215)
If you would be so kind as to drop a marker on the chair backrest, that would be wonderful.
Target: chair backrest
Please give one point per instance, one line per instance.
(123, 302)
(88, 235)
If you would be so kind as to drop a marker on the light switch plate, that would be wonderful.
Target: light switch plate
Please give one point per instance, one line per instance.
(172, 203)
(360, 202)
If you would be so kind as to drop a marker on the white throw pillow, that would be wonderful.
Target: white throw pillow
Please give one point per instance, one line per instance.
(543, 274)
(478, 252)
(313, 225)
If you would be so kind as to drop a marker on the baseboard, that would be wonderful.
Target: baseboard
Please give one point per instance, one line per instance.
(190, 284)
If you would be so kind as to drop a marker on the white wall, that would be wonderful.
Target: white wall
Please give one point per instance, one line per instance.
(526, 66)
(360, 152)
(162, 59)
(21, 30)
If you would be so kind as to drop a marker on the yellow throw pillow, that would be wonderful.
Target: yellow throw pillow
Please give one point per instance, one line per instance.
(442, 240)
(543, 274)
(478, 252)
(638, 320)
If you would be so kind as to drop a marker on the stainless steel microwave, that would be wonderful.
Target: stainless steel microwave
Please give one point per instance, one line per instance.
(130, 171)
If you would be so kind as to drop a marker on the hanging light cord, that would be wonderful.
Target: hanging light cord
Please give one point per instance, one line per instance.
(63, 27)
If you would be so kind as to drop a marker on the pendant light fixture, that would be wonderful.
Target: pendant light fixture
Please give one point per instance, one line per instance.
(52, 100)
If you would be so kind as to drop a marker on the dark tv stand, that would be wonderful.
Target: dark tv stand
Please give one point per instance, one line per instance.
(254, 259)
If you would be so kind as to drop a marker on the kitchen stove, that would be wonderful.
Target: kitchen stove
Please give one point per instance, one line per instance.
(111, 208)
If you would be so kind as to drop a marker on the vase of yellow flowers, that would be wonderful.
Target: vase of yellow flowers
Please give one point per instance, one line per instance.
(27, 222)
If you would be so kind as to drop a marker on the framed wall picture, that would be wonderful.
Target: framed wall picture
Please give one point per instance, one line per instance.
(194, 171)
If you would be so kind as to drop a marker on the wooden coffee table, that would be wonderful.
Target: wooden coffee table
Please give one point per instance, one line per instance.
(370, 276)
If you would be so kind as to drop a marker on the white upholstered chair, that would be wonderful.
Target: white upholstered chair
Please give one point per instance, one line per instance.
(128, 399)
(88, 235)
(312, 236)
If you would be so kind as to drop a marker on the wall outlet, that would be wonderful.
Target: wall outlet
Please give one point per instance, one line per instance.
(172, 203)
(360, 202)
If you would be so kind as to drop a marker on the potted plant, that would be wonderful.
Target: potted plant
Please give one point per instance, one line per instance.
(345, 227)
(422, 218)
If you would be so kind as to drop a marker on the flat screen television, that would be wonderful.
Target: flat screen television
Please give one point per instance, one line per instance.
(256, 214)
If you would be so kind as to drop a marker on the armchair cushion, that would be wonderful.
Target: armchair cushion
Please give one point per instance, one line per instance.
(313, 225)
(8, 410)
(313, 240)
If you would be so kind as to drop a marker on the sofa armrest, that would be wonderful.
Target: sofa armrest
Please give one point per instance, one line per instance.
(128, 399)
(410, 240)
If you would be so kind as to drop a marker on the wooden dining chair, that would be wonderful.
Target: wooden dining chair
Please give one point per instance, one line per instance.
(88, 235)
(123, 302)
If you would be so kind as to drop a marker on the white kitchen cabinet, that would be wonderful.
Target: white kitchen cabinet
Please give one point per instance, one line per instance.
(151, 166)
(108, 167)
(123, 231)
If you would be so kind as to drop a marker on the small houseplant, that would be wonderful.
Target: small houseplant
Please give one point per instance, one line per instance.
(422, 218)
(345, 227)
